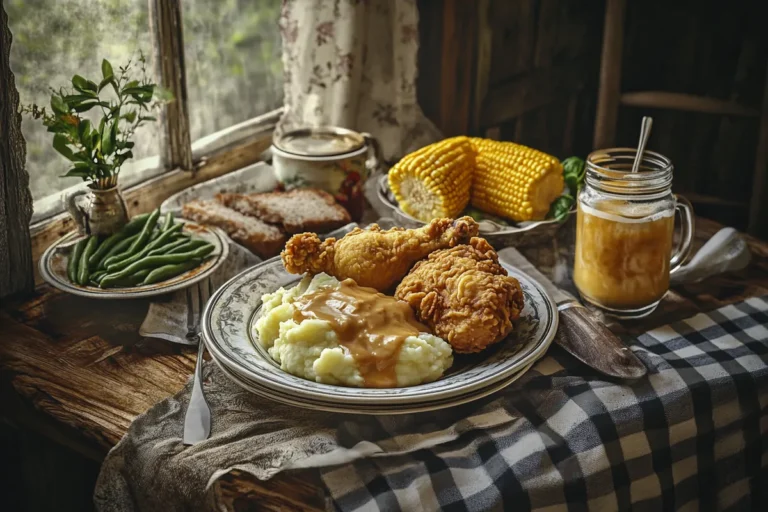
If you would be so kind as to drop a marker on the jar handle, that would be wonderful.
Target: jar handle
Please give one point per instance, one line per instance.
(76, 211)
(683, 249)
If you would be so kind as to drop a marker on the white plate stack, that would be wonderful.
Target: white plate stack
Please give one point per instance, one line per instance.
(228, 333)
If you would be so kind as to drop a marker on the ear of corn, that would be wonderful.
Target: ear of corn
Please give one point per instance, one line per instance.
(500, 178)
(434, 181)
(514, 181)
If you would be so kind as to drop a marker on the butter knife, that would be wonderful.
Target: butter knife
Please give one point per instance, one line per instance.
(579, 333)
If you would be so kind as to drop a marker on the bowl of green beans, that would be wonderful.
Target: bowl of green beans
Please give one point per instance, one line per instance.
(151, 255)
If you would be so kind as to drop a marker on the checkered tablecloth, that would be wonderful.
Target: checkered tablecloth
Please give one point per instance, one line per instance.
(692, 435)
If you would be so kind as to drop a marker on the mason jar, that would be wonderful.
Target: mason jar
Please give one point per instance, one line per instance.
(625, 224)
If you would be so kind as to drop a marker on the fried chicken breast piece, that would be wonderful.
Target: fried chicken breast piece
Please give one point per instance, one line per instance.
(464, 295)
(372, 257)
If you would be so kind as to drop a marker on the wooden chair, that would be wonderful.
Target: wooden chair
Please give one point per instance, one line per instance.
(610, 97)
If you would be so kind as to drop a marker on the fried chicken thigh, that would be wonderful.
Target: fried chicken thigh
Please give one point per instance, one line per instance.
(372, 257)
(464, 295)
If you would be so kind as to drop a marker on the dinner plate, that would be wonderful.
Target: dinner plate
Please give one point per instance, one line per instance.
(242, 377)
(230, 314)
(394, 408)
(53, 267)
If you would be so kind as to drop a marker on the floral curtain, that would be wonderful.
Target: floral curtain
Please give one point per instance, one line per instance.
(353, 63)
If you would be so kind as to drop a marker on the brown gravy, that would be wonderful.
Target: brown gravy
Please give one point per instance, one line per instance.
(371, 325)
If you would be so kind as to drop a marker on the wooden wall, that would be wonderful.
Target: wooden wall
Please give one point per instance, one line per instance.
(528, 71)
(522, 70)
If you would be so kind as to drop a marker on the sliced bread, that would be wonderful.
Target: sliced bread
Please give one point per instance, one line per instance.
(296, 211)
(261, 238)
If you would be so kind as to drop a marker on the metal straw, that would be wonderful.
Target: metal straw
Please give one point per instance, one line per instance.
(645, 133)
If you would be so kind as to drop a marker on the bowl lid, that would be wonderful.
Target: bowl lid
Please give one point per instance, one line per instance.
(319, 141)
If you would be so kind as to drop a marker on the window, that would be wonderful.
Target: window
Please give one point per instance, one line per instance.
(52, 44)
(232, 66)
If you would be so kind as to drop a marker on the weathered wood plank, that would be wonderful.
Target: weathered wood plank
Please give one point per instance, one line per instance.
(459, 46)
(513, 39)
(569, 126)
(428, 84)
(447, 63)
(534, 90)
(168, 46)
(101, 402)
(300, 491)
(686, 103)
(548, 27)
(705, 199)
(15, 197)
(484, 60)
(610, 74)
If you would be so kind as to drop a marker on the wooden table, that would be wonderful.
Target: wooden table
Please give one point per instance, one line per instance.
(75, 370)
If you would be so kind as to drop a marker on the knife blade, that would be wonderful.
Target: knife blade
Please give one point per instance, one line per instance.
(579, 333)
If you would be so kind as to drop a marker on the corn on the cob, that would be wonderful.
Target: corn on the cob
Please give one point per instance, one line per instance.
(514, 181)
(434, 181)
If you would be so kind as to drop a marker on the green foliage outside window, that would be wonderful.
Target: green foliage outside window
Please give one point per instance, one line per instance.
(123, 104)
(232, 57)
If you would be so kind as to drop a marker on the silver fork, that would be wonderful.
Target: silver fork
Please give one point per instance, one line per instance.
(197, 421)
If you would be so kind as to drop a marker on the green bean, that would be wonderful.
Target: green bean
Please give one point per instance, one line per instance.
(117, 257)
(158, 261)
(136, 224)
(96, 276)
(83, 272)
(74, 259)
(131, 280)
(131, 251)
(190, 245)
(105, 247)
(168, 222)
(161, 240)
(137, 278)
(166, 236)
(165, 249)
(146, 231)
(168, 271)
(117, 250)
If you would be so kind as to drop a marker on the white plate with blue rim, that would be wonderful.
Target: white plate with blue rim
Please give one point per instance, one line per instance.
(230, 314)
(386, 409)
(53, 267)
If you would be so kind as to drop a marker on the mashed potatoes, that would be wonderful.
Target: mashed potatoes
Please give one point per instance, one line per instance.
(311, 349)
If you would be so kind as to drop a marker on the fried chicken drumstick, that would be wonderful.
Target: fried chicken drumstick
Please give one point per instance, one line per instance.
(373, 257)
(464, 295)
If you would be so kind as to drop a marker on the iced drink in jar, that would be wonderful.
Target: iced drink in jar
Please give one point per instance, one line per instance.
(622, 261)
(624, 233)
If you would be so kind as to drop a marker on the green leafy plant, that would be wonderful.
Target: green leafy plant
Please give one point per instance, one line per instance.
(574, 170)
(98, 149)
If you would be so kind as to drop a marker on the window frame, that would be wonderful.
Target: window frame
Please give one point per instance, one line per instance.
(180, 163)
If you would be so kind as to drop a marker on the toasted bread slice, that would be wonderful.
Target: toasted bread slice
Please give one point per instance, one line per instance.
(298, 210)
(261, 238)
